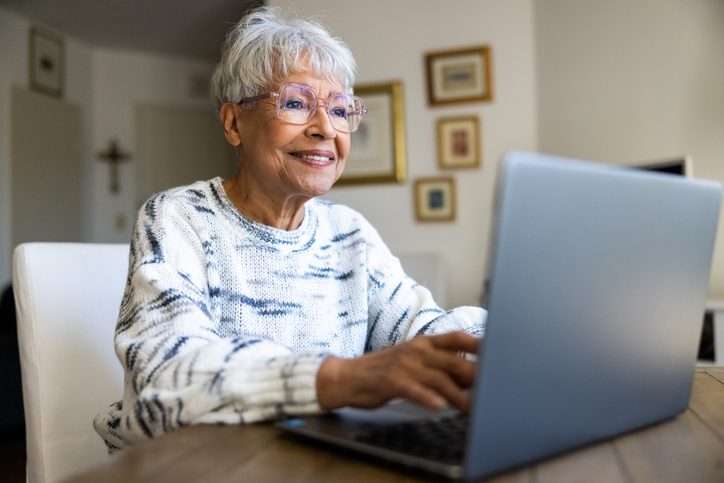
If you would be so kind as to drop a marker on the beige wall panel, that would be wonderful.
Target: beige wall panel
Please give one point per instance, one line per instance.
(47, 160)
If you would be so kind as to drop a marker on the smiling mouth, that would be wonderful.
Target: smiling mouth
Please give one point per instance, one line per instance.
(314, 158)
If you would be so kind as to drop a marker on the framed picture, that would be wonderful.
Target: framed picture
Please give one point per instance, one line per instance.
(435, 199)
(459, 76)
(377, 154)
(46, 63)
(458, 142)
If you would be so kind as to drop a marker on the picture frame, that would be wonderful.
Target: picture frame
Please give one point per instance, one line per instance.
(435, 199)
(458, 142)
(47, 63)
(462, 75)
(377, 153)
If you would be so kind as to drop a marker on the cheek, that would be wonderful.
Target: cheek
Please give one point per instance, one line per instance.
(279, 135)
(343, 143)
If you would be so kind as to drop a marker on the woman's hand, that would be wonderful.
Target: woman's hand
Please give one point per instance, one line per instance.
(427, 370)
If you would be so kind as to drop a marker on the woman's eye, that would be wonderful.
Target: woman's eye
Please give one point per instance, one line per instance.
(294, 105)
(339, 112)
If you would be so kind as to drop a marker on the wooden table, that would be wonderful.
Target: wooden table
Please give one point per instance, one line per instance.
(689, 448)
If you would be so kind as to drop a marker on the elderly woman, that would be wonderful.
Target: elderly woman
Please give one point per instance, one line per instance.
(249, 299)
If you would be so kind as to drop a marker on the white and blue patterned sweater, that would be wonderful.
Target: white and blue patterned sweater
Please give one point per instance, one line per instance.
(225, 320)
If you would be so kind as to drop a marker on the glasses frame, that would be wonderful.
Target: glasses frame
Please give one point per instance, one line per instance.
(323, 102)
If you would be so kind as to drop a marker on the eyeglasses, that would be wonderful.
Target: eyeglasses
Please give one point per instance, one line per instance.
(297, 104)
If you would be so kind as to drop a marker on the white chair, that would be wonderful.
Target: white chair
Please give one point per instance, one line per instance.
(67, 297)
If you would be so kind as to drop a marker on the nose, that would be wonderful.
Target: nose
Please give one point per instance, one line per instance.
(320, 124)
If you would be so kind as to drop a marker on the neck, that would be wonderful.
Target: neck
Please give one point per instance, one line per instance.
(261, 206)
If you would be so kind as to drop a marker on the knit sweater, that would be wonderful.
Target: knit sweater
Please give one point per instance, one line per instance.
(226, 321)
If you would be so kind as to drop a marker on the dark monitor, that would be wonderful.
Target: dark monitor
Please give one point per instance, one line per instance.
(681, 166)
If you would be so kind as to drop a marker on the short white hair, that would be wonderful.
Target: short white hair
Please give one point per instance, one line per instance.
(267, 46)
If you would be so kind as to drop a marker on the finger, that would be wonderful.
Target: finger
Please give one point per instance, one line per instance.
(456, 341)
(445, 386)
(461, 370)
(422, 395)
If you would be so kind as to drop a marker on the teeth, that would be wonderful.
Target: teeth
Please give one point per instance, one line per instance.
(315, 158)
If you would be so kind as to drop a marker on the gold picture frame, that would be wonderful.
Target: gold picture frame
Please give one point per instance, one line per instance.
(377, 153)
(458, 142)
(47, 59)
(435, 199)
(463, 75)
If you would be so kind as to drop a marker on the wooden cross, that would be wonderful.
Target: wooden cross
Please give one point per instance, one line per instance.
(114, 156)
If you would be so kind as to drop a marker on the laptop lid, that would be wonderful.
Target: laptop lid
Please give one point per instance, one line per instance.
(599, 279)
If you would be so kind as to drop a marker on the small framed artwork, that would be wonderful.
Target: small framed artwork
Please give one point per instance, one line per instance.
(435, 199)
(458, 142)
(46, 63)
(459, 76)
(377, 152)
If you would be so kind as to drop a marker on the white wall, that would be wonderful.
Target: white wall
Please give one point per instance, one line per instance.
(389, 39)
(106, 85)
(121, 80)
(14, 71)
(616, 81)
(622, 81)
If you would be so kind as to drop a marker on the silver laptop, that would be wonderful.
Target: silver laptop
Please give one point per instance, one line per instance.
(599, 279)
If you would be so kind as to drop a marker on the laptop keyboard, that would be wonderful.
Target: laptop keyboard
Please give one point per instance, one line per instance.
(440, 439)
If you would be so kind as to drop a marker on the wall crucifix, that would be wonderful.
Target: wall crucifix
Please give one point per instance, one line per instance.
(114, 156)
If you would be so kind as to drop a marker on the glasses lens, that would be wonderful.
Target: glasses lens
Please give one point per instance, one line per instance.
(296, 104)
(345, 112)
(338, 109)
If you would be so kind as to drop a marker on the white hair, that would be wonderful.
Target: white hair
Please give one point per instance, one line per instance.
(266, 46)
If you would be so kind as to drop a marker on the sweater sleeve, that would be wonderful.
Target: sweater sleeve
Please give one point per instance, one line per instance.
(178, 369)
(400, 308)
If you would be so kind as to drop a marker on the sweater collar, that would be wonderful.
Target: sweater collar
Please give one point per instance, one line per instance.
(273, 238)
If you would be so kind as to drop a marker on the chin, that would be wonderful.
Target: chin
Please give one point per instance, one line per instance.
(318, 191)
(311, 188)
(318, 186)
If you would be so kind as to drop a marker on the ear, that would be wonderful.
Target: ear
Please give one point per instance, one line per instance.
(228, 119)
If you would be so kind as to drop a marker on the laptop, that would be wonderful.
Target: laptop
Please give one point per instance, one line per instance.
(599, 276)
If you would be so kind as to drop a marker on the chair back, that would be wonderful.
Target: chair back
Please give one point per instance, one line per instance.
(67, 297)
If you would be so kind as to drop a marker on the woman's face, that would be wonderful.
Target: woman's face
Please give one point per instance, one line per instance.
(277, 155)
